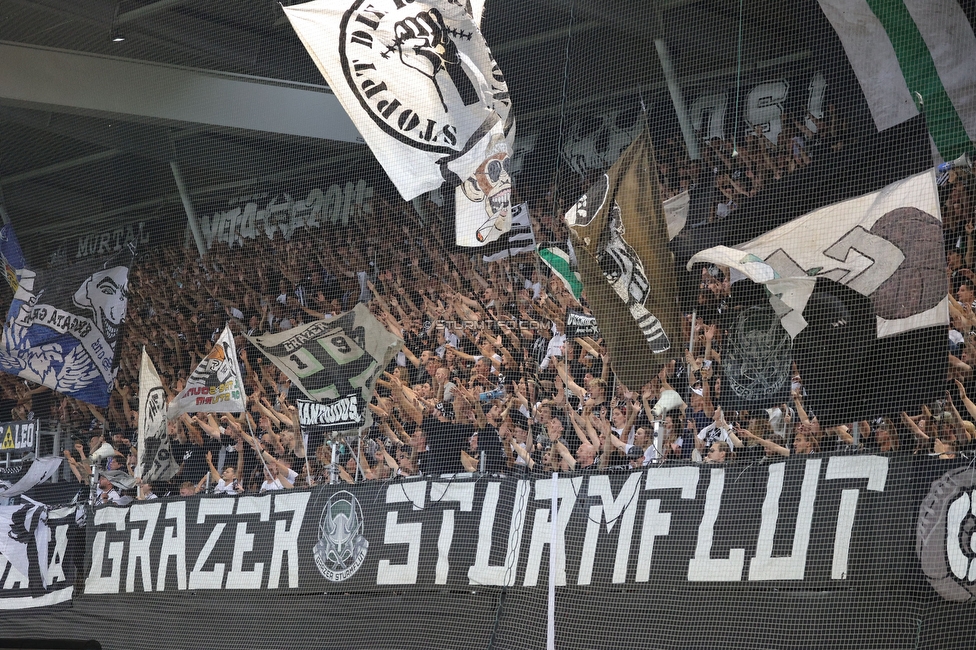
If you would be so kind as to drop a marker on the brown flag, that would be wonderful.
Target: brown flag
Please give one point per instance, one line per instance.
(621, 240)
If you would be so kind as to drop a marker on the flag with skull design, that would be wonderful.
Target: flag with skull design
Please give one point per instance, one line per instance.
(418, 81)
(63, 323)
(620, 235)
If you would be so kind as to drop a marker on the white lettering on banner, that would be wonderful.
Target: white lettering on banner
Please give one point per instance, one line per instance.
(174, 545)
(55, 570)
(335, 205)
(872, 468)
(708, 115)
(541, 536)
(172, 553)
(139, 546)
(396, 533)
(611, 510)
(110, 241)
(463, 493)
(764, 566)
(483, 573)
(286, 537)
(97, 582)
(702, 567)
(238, 578)
(213, 579)
(657, 523)
(764, 107)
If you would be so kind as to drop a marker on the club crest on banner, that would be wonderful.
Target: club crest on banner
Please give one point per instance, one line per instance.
(341, 548)
(945, 535)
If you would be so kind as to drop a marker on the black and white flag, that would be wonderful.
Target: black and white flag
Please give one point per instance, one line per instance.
(519, 239)
(36, 559)
(155, 460)
(418, 81)
(860, 287)
(335, 362)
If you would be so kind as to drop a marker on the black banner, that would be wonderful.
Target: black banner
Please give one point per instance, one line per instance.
(819, 523)
(579, 324)
(18, 436)
(815, 551)
(37, 560)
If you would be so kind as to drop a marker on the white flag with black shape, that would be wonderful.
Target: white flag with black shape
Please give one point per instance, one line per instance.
(155, 460)
(215, 386)
(860, 288)
(334, 362)
(519, 239)
(418, 81)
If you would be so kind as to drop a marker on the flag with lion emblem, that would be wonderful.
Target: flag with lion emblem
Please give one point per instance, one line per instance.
(63, 323)
(418, 81)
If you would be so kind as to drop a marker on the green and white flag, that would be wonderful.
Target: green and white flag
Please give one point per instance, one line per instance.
(910, 55)
(559, 258)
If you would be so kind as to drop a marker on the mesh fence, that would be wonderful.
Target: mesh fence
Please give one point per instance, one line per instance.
(346, 339)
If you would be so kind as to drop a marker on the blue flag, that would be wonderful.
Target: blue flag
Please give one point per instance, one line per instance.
(63, 324)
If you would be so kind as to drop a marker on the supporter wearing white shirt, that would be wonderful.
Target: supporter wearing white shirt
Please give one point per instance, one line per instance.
(278, 475)
(226, 481)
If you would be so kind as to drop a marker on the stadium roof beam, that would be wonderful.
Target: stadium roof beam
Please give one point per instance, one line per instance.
(44, 77)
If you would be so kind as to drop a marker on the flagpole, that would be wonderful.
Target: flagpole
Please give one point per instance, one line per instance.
(255, 442)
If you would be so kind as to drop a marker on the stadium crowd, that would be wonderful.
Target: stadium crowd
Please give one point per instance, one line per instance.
(489, 379)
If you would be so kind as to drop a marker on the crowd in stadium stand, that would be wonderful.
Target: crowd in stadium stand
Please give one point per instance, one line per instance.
(488, 380)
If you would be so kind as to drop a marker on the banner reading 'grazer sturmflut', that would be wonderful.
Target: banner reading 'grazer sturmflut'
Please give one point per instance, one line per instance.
(419, 83)
(620, 235)
(63, 324)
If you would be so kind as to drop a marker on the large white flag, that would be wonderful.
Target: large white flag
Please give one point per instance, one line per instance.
(418, 81)
(155, 460)
(884, 245)
(216, 385)
(910, 55)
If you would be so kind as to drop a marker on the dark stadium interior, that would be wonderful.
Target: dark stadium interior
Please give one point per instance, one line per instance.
(72, 164)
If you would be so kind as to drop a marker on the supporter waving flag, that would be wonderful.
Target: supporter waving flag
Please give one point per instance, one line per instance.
(335, 362)
(63, 323)
(420, 85)
(216, 385)
(620, 236)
